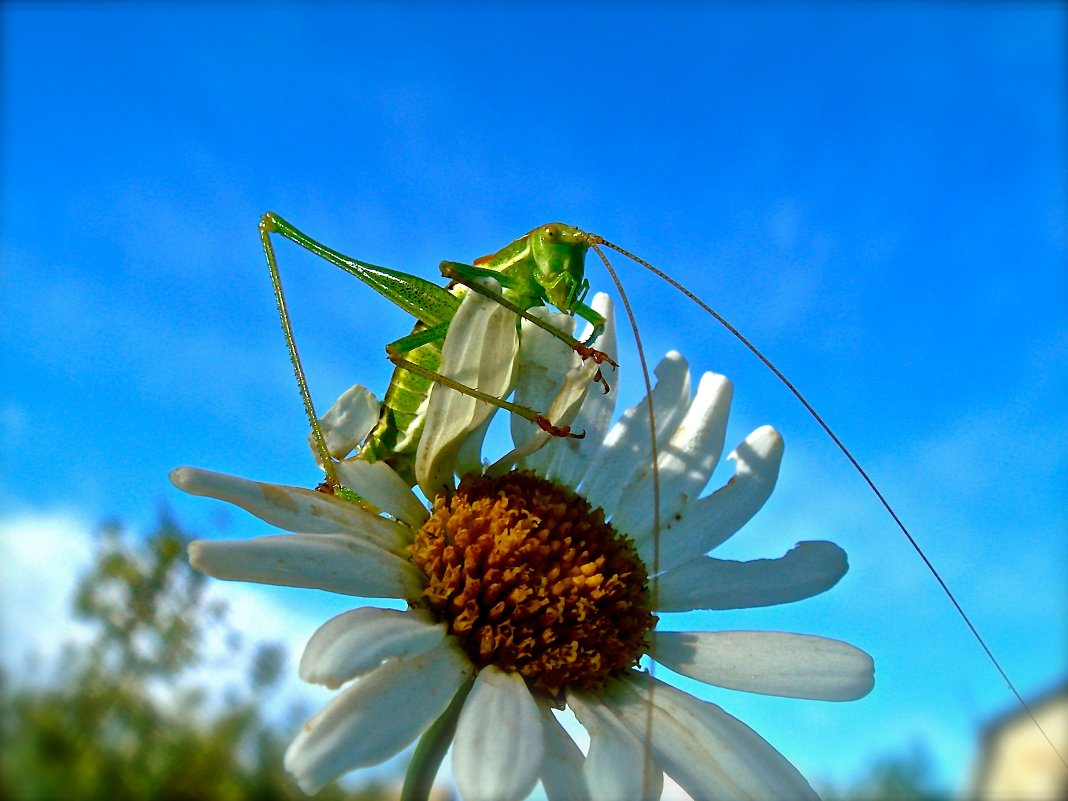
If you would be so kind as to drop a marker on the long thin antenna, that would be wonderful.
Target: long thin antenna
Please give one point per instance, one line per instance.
(863, 474)
(647, 769)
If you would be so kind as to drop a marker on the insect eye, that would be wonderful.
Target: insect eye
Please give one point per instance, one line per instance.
(550, 232)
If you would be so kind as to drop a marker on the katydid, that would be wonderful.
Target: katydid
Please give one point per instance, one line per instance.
(545, 266)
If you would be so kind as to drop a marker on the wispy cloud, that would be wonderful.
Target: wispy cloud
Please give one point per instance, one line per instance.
(42, 558)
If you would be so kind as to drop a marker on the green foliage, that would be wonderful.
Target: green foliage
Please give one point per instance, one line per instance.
(123, 717)
(893, 778)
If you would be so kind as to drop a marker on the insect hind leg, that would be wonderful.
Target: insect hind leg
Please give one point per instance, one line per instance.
(267, 227)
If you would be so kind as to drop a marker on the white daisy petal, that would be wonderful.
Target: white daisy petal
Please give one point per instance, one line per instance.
(498, 750)
(469, 456)
(561, 768)
(566, 459)
(546, 382)
(617, 766)
(700, 525)
(347, 423)
(685, 461)
(355, 642)
(709, 753)
(380, 485)
(564, 400)
(770, 663)
(333, 562)
(689, 457)
(807, 569)
(293, 508)
(377, 716)
(543, 360)
(479, 352)
(623, 459)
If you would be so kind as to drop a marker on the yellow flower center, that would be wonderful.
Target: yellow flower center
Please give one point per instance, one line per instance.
(534, 581)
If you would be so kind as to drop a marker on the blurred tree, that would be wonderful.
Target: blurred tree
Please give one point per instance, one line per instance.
(122, 717)
(896, 777)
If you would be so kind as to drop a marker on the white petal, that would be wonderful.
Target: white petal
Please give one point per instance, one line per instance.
(618, 767)
(333, 562)
(295, 509)
(685, 461)
(807, 569)
(381, 486)
(701, 525)
(566, 459)
(498, 750)
(377, 716)
(693, 451)
(562, 399)
(479, 352)
(347, 423)
(543, 362)
(469, 457)
(709, 753)
(624, 458)
(770, 663)
(358, 641)
(551, 380)
(561, 769)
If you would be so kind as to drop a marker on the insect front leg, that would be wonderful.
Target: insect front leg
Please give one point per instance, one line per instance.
(467, 275)
(411, 345)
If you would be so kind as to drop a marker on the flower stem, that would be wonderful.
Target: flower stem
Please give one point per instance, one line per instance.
(426, 760)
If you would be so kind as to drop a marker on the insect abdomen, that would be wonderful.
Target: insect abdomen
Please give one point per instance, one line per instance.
(395, 438)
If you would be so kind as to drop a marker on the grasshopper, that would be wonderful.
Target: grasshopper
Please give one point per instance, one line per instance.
(545, 266)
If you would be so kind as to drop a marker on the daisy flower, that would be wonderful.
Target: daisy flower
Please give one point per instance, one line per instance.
(533, 584)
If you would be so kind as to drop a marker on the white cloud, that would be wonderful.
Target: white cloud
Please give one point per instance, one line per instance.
(258, 616)
(43, 556)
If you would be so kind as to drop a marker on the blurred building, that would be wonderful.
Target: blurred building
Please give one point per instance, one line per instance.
(1015, 763)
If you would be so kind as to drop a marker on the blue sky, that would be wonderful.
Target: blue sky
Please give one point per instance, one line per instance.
(875, 194)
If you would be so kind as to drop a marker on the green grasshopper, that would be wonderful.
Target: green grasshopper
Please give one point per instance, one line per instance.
(544, 266)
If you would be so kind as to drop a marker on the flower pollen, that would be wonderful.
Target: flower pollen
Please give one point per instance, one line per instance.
(532, 580)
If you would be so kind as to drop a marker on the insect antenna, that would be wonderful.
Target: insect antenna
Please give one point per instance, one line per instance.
(852, 459)
(654, 566)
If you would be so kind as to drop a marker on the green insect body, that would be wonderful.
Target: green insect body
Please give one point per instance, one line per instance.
(545, 266)
(395, 438)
